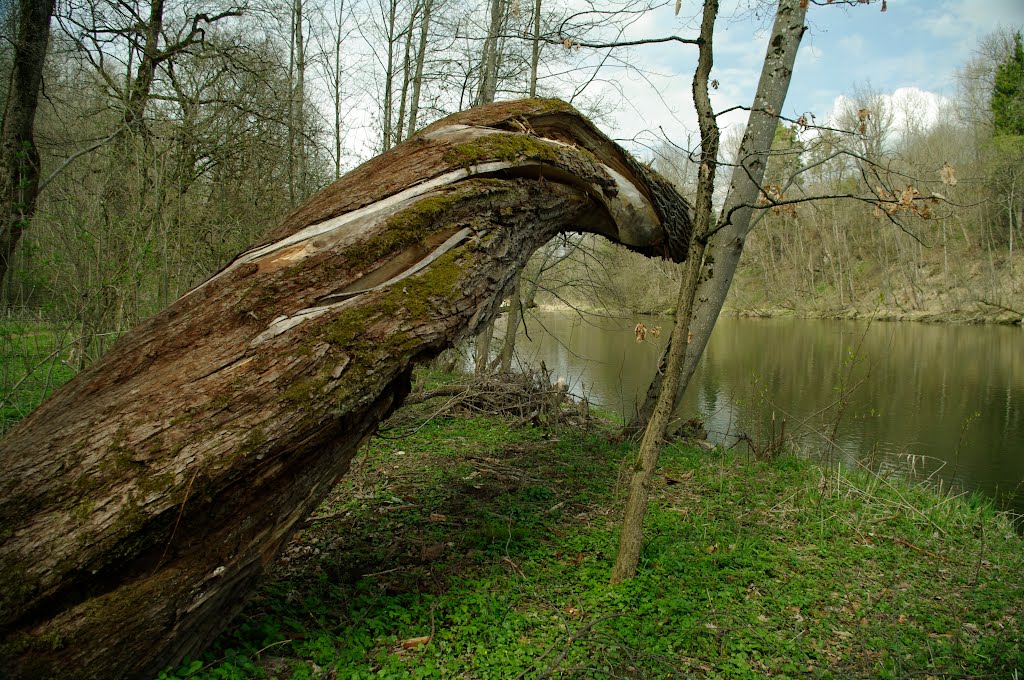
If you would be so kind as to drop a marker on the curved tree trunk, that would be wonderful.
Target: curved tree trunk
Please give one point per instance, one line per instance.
(141, 502)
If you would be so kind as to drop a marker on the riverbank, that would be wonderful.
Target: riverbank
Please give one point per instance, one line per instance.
(991, 315)
(471, 547)
(970, 297)
(980, 314)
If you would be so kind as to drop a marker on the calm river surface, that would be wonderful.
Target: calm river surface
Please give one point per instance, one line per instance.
(930, 401)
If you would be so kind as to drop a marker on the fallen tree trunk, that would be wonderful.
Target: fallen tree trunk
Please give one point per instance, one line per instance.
(141, 502)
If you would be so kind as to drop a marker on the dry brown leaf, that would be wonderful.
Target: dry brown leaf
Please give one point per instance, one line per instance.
(412, 643)
(863, 116)
(948, 175)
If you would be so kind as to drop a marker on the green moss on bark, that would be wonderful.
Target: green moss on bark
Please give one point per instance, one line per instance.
(501, 146)
(414, 224)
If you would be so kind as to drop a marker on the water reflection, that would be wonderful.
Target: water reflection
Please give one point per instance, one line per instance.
(936, 400)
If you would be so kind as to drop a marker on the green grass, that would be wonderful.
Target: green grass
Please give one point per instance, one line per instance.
(33, 363)
(498, 544)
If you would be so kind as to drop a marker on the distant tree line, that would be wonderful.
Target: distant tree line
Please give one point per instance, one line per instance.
(926, 218)
(170, 135)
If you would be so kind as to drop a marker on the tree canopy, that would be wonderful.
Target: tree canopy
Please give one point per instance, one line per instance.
(1008, 93)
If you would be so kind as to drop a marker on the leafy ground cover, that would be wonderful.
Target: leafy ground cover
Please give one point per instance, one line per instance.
(34, 361)
(469, 547)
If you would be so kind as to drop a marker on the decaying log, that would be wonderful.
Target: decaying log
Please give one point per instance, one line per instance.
(141, 502)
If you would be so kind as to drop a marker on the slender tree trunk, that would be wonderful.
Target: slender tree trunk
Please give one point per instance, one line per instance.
(299, 101)
(515, 315)
(631, 535)
(407, 73)
(1009, 220)
(735, 222)
(535, 56)
(336, 87)
(20, 183)
(421, 56)
(1020, 221)
(489, 60)
(389, 77)
(292, 196)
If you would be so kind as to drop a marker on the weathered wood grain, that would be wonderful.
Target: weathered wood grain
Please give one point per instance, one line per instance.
(141, 502)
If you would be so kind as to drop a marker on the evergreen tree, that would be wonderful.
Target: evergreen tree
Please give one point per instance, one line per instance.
(1008, 93)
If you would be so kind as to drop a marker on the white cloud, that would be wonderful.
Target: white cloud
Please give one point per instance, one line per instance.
(955, 18)
(646, 90)
(910, 108)
(851, 43)
(813, 52)
(943, 25)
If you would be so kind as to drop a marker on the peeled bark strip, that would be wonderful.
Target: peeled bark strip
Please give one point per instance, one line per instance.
(141, 502)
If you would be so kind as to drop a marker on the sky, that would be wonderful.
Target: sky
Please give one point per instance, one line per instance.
(911, 50)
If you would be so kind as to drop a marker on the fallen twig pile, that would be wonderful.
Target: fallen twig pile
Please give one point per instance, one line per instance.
(525, 397)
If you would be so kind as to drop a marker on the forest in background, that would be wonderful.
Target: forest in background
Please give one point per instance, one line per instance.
(822, 250)
(174, 134)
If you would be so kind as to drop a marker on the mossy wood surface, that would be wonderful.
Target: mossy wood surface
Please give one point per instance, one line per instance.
(140, 503)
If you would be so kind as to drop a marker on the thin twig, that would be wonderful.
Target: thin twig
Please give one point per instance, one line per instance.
(568, 645)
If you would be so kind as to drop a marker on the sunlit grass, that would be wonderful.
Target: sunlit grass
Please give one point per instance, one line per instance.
(496, 543)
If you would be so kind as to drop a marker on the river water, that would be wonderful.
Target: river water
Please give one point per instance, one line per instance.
(935, 402)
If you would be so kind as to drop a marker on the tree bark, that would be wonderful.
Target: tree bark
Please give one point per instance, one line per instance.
(20, 188)
(335, 79)
(482, 349)
(490, 59)
(631, 534)
(407, 76)
(421, 56)
(299, 100)
(142, 501)
(735, 222)
(142, 85)
(389, 77)
(515, 316)
(535, 50)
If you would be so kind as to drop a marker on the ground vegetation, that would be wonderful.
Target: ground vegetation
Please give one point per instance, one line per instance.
(463, 543)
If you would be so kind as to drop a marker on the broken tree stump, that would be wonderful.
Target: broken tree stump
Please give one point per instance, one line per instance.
(140, 503)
